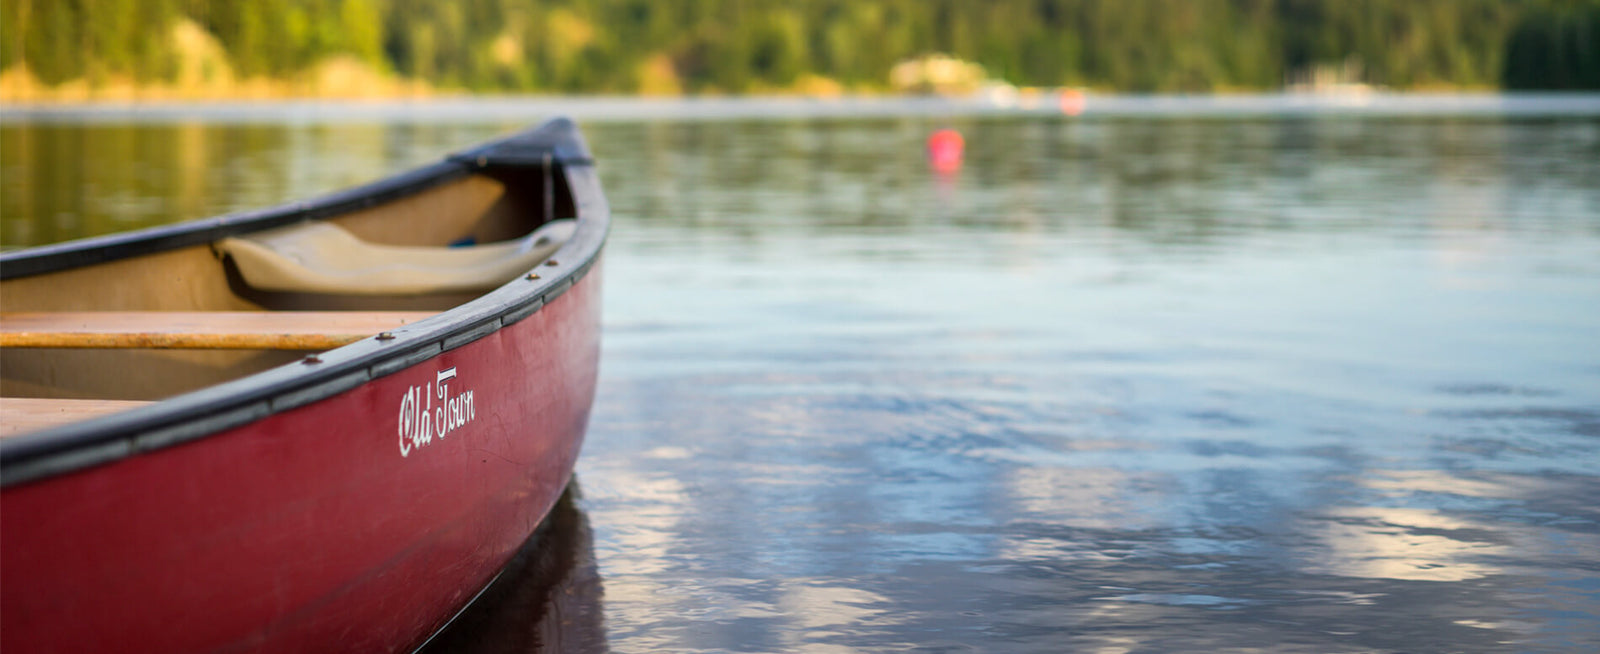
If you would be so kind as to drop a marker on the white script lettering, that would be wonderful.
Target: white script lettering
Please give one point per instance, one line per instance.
(431, 411)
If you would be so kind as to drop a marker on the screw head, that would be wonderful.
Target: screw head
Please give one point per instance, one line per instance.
(385, 336)
(552, 262)
(310, 359)
(532, 276)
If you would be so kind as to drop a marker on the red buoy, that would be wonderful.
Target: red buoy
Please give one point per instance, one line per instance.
(1072, 102)
(945, 149)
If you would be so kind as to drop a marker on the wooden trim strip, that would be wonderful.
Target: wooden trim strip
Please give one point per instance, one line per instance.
(19, 415)
(209, 330)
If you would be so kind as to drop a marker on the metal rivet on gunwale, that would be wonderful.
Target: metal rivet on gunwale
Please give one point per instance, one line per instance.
(385, 336)
(311, 358)
(532, 276)
(552, 262)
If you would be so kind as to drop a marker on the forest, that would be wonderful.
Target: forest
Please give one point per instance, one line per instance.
(745, 46)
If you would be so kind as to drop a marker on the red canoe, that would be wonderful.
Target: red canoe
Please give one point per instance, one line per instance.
(320, 427)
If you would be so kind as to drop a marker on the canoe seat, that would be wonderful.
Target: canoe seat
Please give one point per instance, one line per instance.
(206, 330)
(19, 415)
(319, 257)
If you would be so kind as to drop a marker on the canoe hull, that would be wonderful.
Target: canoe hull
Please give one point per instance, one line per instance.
(357, 522)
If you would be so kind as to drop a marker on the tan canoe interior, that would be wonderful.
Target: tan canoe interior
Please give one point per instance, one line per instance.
(95, 338)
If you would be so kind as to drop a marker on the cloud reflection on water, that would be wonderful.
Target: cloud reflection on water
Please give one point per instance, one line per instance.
(1122, 385)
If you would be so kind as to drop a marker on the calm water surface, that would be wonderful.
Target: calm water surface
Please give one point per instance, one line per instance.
(1296, 383)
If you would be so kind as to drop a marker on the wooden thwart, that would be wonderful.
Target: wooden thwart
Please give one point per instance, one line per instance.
(19, 415)
(207, 330)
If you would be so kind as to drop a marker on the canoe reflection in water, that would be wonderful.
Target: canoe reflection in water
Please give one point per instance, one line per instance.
(548, 599)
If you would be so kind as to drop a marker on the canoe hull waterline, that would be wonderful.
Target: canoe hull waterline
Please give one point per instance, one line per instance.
(355, 500)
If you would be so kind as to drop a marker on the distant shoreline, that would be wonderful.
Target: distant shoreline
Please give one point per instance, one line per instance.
(522, 109)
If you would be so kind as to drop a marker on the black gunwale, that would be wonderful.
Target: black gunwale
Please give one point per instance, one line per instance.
(210, 411)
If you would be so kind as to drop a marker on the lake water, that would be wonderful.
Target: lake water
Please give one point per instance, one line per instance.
(1278, 380)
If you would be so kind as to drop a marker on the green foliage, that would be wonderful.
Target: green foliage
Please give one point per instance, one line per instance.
(740, 45)
(1555, 47)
